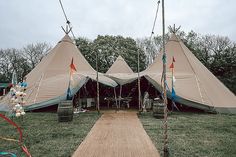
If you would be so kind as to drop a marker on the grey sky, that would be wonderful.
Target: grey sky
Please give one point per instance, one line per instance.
(31, 21)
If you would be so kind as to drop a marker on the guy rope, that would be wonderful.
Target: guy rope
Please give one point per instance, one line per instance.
(20, 141)
(67, 21)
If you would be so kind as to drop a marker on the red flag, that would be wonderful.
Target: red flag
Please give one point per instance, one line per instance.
(172, 66)
(173, 59)
(72, 66)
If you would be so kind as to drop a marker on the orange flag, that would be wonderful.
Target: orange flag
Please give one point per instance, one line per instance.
(72, 69)
(171, 66)
(72, 66)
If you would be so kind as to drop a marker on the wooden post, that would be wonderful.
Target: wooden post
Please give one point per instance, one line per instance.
(120, 95)
(98, 105)
(165, 149)
(139, 92)
(115, 97)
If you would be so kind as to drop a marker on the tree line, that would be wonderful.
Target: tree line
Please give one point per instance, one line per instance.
(217, 53)
(21, 60)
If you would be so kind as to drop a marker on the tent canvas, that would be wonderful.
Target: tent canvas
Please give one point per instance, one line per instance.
(121, 72)
(195, 85)
(48, 81)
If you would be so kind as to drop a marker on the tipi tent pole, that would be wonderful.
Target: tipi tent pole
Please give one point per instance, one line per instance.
(120, 95)
(165, 149)
(172, 86)
(115, 97)
(36, 95)
(98, 105)
(139, 92)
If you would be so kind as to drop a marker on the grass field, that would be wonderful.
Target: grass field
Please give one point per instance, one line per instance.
(44, 136)
(194, 135)
(190, 134)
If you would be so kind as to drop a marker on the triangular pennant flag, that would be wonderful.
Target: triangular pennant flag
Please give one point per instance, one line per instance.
(173, 77)
(173, 95)
(72, 70)
(72, 66)
(173, 59)
(69, 94)
(171, 66)
(14, 78)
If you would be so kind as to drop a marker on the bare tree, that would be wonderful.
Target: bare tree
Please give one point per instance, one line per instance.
(35, 52)
(10, 60)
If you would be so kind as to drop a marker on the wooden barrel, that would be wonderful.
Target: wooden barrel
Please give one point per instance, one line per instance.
(65, 111)
(158, 108)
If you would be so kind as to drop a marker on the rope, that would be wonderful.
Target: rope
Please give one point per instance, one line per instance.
(67, 20)
(7, 153)
(154, 23)
(9, 139)
(20, 141)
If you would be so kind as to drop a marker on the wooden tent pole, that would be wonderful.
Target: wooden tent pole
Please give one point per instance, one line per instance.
(98, 105)
(120, 95)
(139, 92)
(165, 149)
(115, 97)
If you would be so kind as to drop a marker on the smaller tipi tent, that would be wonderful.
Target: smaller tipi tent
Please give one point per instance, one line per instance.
(195, 85)
(121, 72)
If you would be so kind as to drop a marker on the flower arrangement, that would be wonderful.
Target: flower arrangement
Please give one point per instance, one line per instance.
(18, 94)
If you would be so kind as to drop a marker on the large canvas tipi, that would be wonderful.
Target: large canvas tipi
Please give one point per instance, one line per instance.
(48, 81)
(195, 85)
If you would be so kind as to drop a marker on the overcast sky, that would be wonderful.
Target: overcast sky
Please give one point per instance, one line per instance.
(30, 21)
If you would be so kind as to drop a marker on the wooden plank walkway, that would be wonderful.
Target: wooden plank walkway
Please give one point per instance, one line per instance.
(117, 134)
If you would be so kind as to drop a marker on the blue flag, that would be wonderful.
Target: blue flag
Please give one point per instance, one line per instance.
(68, 95)
(173, 95)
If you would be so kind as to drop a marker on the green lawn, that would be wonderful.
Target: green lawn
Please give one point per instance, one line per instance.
(192, 134)
(44, 136)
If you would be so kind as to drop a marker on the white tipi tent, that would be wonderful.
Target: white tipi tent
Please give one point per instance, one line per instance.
(195, 85)
(121, 72)
(48, 81)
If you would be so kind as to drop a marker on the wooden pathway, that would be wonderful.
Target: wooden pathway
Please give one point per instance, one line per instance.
(117, 134)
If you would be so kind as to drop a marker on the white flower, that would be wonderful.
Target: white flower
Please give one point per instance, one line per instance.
(22, 113)
(17, 114)
(18, 93)
(17, 105)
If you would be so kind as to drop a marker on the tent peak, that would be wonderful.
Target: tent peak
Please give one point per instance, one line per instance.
(119, 66)
(66, 38)
(173, 37)
(120, 58)
(173, 29)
